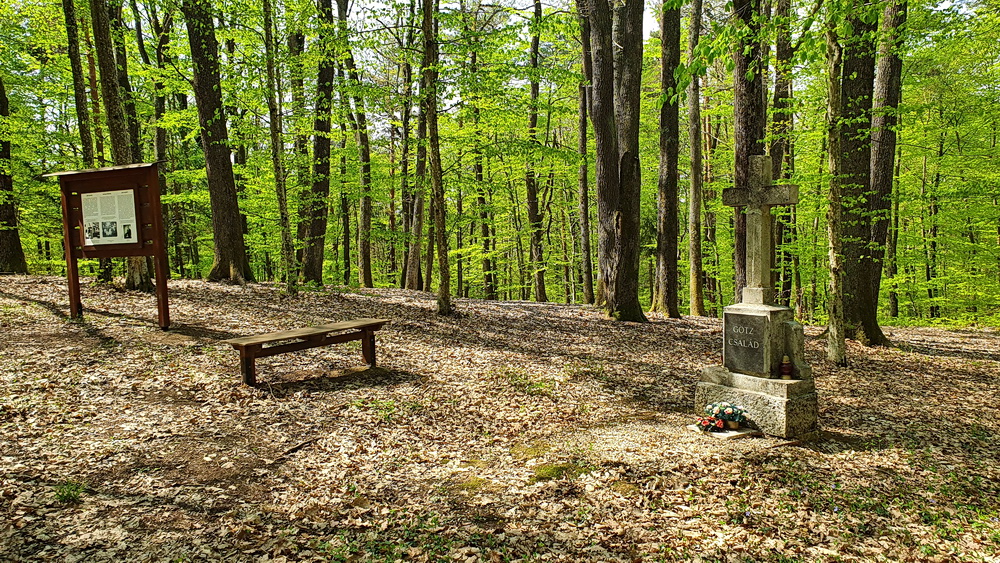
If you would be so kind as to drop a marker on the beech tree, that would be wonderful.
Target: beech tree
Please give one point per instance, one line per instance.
(230, 259)
(616, 59)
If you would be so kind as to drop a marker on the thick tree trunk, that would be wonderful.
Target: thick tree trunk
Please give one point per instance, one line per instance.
(230, 259)
(857, 83)
(695, 266)
(413, 278)
(667, 227)
(887, 93)
(314, 208)
(616, 56)
(11, 252)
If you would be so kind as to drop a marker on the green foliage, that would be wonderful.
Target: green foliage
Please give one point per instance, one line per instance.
(69, 492)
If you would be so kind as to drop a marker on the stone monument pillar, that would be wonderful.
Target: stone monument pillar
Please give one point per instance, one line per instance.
(757, 333)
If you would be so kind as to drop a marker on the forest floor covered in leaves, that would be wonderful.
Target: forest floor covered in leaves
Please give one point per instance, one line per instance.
(511, 431)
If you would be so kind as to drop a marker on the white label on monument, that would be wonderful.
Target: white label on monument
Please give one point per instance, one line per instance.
(109, 218)
(743, 349)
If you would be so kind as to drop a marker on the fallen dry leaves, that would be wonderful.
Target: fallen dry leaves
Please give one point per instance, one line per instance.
(512, 431)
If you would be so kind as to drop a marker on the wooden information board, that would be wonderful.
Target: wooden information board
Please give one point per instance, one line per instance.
(114, 212)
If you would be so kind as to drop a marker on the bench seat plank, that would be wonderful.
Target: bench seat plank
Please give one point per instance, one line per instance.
(298, 333)
(252, 347)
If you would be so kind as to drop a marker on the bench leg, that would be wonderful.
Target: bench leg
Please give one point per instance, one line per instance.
(248, 368)
(368, 347)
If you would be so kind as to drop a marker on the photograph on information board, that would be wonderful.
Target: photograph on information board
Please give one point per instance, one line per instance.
(108, 217)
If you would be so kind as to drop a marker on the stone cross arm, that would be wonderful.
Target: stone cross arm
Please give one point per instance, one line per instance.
(758, 198)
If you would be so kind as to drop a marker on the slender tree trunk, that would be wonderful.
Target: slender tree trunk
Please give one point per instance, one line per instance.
(364, 146)
(315, 206)
(345, 208)
(430, 74)
(836, 351)
(695, 267)
(275, 127)
(531, 177)
(667, 227)
(95, 101)
(79, 83)
(892, 258)
(230, 259)
(586, 264)
(780, 149)
(11, 252)
(416, 235)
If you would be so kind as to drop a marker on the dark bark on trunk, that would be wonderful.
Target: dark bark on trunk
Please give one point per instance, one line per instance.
(616, 56)
(79, 83)
(887, 93)
(314, 208)
(11, 252)
(750, 115)
(531, 177)
(124, 82)
(667, 220)
(695, 266)
(857, 84)
(230, 259)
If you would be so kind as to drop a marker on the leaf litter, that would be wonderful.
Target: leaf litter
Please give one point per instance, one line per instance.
(512, 431)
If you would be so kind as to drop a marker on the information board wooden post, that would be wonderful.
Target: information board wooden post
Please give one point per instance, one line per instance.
(114, 212)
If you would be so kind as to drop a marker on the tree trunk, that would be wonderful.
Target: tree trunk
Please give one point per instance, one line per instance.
(887, 93)
(531, 177)
(417, 223)
(274, 95)
(586, 265)
(695, 266)
(345, 208)
(314, 208)
(616, 56)
(429, 73)
(667, 228)
(857, 83)
(360, 123)
(79, 83)
(11, 252)
(781, 158)
(750, 115)
(836, 351)
(230, 259)
(95, 101)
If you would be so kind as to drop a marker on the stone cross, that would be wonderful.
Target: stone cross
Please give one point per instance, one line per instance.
(758, 199)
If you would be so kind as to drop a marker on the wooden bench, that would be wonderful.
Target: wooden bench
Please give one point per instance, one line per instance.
(252, 347)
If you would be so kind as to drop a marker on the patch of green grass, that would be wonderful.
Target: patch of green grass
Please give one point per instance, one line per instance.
(386, 409)
(553, 471)
(585, 369)
(525, 452)
(69, 492)
(471, 484)
(522, 381)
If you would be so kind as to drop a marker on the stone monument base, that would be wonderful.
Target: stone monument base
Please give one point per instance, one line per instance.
(779, 407)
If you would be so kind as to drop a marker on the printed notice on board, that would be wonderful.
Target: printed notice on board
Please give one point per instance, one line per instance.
(109, 218)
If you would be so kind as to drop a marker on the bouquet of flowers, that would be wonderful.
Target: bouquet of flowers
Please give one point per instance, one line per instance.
(710, 424)
(725, 410)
